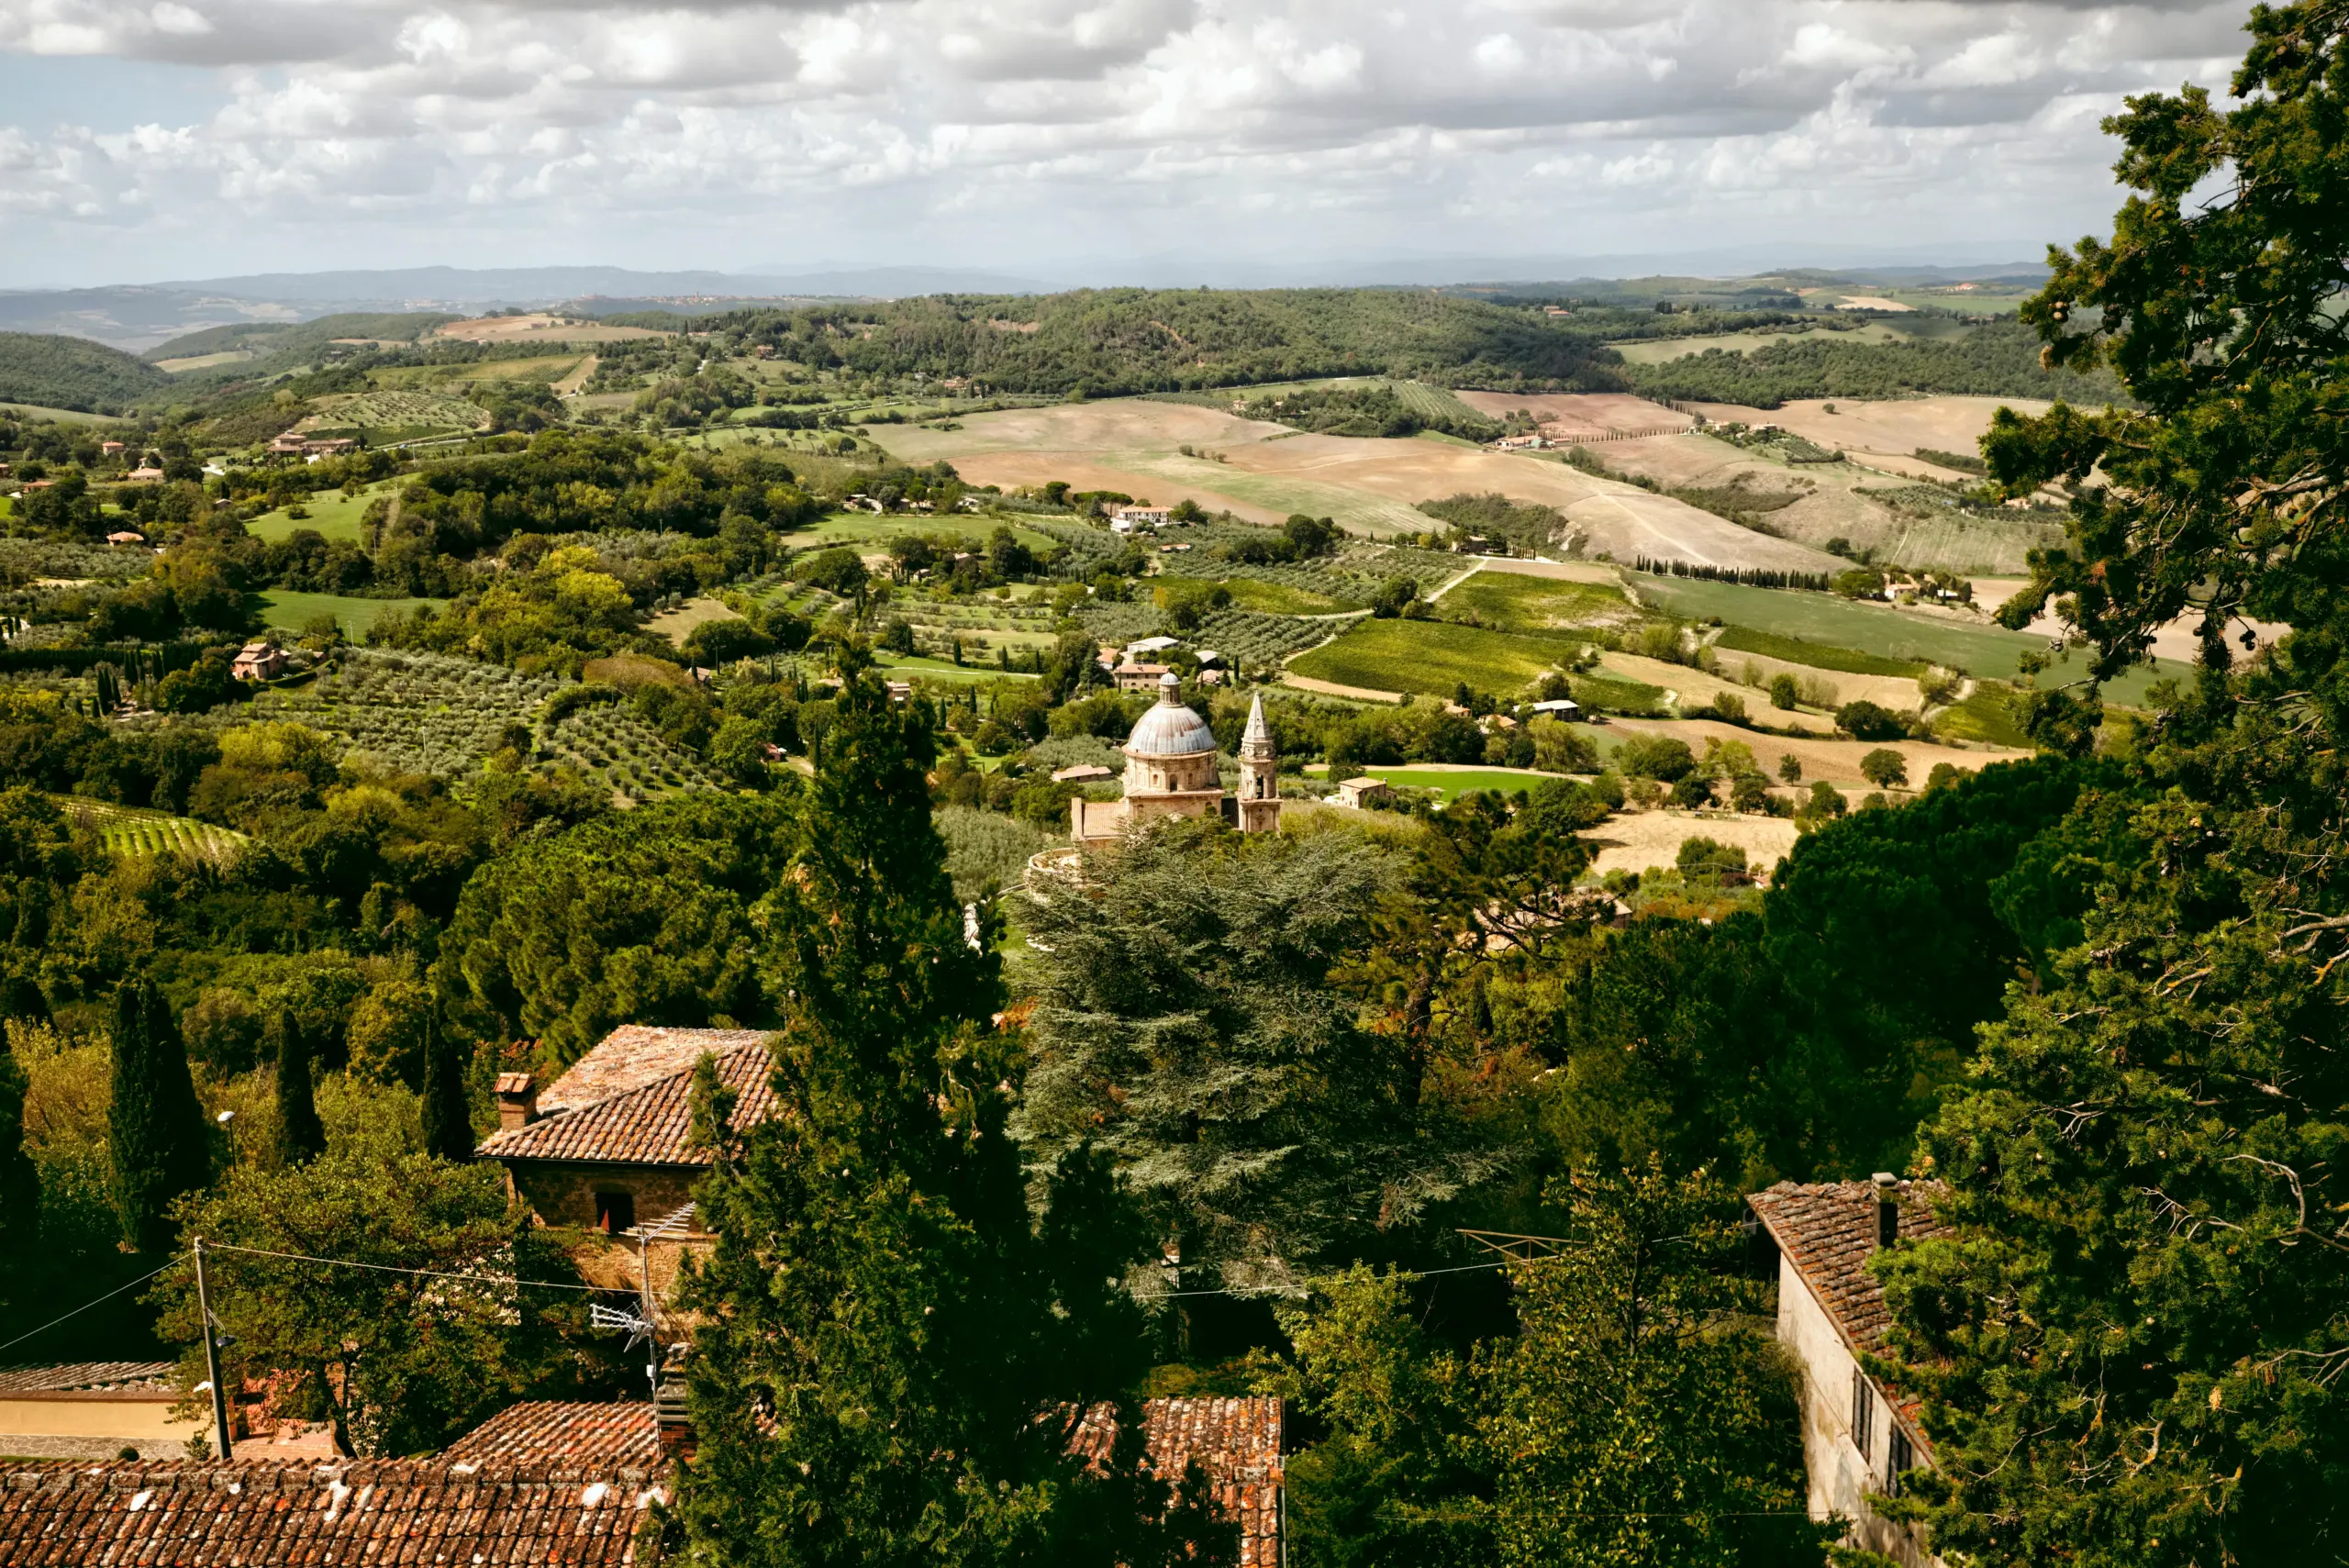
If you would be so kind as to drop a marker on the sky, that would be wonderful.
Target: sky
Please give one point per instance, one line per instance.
(1094, 141)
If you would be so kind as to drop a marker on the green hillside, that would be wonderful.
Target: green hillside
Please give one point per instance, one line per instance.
(72, 373)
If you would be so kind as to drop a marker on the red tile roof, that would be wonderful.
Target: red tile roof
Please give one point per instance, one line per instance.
(77, 1376)
(543, 1431)
(647, 1126)
(1236, 1444)
(635, 1055)
(222, 1515)
(1828, 1232)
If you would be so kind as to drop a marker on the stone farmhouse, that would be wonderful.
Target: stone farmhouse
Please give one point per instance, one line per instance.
(1171, 771)
(1858, 1437)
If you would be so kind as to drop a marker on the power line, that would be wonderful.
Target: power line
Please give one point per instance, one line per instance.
(391, 1269)
(1415, 1274)
(109, 1295)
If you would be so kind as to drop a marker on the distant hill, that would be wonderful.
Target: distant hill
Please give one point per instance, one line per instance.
(1105, 342)
(72, 373)
(278, 339)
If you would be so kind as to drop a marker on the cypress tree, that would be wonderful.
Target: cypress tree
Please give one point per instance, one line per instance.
(21, 997)
(448, 1119)
(300, 1136)
(155, 1133)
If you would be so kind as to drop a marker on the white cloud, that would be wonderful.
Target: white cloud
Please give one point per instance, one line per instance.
(811, 128)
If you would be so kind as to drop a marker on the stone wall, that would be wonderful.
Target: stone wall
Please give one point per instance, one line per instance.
(560, 1192)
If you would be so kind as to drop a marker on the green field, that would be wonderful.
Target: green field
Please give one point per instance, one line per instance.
(1507, 602)
(1990, 651)
(62, 416)
(1431, 657)
(293, 611)
(333, 515)
(1508, 781)
(1281, 599)
(135, 833)
(906, 667)
(1795, 650)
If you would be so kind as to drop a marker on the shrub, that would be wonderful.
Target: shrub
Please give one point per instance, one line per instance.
(1885, 768)
(1864, 720)
(717, 643)
(1659, 757)
(1703, 860)
(1396, 597)
(1692, 791)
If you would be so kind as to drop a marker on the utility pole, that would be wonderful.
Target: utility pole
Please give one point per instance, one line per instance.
(212, 1357)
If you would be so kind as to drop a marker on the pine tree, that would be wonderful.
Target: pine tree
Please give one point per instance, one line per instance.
(889, 1355)
(300, 1136)
(2131, 1354)
(448, 1116)
(155, 1131)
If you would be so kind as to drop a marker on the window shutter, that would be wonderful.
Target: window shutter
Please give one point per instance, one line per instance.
(1863, 1415)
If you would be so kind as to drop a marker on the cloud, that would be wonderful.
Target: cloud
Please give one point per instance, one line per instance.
(865, 128)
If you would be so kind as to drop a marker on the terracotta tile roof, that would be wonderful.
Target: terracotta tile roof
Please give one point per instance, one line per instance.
(634, 1055)
(1828, 1230)
(77, 1376)
(646, 1126)
(1236, 1444)
(543, 1431)
(183, 1515)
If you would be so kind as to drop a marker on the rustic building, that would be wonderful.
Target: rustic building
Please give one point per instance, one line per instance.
(1857, 1435)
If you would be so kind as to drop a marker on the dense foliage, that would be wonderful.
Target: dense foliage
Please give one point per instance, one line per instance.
(2131, 1351)
(876, 1252)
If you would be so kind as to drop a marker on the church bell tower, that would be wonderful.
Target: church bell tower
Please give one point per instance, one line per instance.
(1260, 786)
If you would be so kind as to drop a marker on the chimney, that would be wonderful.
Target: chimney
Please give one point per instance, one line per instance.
(668, 1414)
(517, 1101)
(1887, 1208)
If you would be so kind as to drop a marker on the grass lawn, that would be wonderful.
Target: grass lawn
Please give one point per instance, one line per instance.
(1989, 651)
(292, 611)
(333, 516)
(1507, 602)
(908, 667)
(1431, 657)
(1508, 781)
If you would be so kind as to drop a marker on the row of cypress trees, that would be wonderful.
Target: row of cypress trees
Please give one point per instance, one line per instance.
(161, 1149)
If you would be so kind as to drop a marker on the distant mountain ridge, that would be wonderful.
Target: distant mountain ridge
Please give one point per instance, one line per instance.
(138, 317)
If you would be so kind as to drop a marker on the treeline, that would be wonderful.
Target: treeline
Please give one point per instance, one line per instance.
(1749, 576)
(1112, 341)
(1996, 359)
(1374, 410)
(58, 372)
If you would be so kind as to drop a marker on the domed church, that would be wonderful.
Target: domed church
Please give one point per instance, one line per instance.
(1171, 771)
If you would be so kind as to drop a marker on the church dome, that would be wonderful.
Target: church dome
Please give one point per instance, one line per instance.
(1170, 729)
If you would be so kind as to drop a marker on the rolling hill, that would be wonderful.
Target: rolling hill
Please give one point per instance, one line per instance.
(72, 373)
